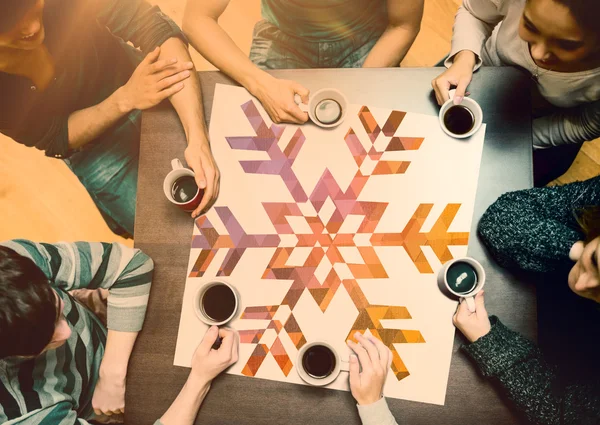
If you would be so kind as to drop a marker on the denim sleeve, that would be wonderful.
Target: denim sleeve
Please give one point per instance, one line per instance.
(138, 22)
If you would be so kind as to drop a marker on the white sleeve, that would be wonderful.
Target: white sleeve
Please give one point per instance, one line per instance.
(473, 25)
(570, 126)
(377, 413)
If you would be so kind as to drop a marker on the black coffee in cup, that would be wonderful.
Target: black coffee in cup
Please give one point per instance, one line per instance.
(461, 277)
(459, 119)
(328, 111)
(218, 302)
(319, 361)
(184, 189)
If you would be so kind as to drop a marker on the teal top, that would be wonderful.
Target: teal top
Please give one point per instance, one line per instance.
(325, 20)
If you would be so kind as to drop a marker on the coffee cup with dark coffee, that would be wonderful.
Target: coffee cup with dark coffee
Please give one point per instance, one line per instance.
(464, 278)
(180, 187)
(319, 364)
(462, 120)
(326, 107)
(216, 303)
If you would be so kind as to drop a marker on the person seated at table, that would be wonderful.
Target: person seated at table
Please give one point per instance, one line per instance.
(72, 87)
(370, 363)
(58, 363)
(309, 34)
(545, 230)
(558, 43)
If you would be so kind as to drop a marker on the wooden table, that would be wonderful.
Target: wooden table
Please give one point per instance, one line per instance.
(165, 234)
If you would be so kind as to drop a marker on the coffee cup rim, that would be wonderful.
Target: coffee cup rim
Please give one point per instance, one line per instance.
(481, 277)
(312, 104)
(167, 187)
(468, 103)
(197, 299)
(318, 382)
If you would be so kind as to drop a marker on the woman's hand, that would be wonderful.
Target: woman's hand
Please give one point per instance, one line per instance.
(459, 75)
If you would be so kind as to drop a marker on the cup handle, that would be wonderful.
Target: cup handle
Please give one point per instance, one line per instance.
(176, 163)
(470, 304)
(344, 366)
(303, 106)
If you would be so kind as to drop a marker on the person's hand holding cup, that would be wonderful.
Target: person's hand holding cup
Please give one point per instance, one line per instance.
(473, 325)
(326, 108)
(180, 187)
(375, 359)
(463, 278)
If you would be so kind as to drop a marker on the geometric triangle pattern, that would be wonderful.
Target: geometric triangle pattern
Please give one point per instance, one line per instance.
(323, 213)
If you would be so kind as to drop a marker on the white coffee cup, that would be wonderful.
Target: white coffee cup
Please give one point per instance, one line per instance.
(340, 365)
(469, 296)
(317, 106)
(178, 171)
(198, 306)
(468, 103)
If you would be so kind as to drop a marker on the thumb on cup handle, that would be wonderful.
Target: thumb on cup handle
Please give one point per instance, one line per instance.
(470, 304)
(303, 106)
(176, 163)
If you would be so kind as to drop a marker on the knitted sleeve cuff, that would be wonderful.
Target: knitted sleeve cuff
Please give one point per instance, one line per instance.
(499, 350)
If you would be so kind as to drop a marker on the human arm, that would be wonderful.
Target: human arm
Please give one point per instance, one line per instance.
(517, 366)
(153, 81)
(145, 26)
(568, 126)
(403, 27)
(535, 229)
(200, 23)
(207, 363)
(366, 385)
(473, 25)
(125, 272)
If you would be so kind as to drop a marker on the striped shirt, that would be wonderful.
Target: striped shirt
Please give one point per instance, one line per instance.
(56, 387)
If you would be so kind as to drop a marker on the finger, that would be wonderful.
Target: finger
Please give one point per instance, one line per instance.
(98, 412)
(480, 310)
(172, 70)
(354, 371)
(302, 91)
(162, 64)
(576, 250)
(294, 116)
(152, 56)
(461, 89)
(369, 346)
(174, 79)
(235, 347)
(589, 252)
(363, 356)
(170, 91)
(207, 196)
(209, 339)
(228, 342)
(441, 88)
(384, 352)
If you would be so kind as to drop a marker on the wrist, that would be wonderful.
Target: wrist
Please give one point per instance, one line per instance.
(113, 373)
(368, 400)
(258, 82)
(198, 385)
(465, 58)
(122, 101)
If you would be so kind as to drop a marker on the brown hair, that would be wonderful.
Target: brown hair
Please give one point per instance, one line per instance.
(589, 220)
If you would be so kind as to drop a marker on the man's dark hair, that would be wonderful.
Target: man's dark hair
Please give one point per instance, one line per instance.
(11, 11)
(28, 306)
(585, 12)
